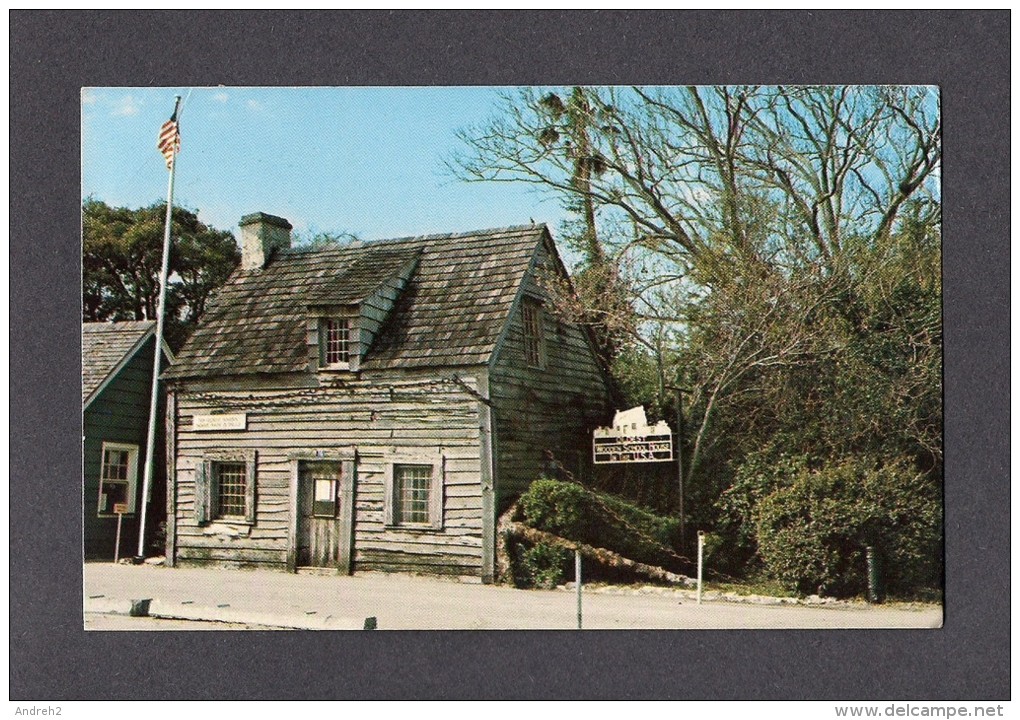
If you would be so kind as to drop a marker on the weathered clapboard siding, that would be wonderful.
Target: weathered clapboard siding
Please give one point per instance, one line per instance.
(399, 561)
(554, 407)
(455, 549)
(379, 419)
(120, 414)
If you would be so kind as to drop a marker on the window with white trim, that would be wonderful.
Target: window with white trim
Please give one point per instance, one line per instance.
(414, 492)
(118, 478)
(534, 335)
(411, 494)
(336, 341)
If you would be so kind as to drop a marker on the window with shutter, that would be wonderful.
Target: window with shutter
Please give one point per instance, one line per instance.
(225, 487)
(232, 493)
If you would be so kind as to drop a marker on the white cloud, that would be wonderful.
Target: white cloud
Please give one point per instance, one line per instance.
(254, 105)
(221, 97)
(88, 96)
(126, 107)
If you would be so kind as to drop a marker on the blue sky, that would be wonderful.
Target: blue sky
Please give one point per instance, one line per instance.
(363, 160)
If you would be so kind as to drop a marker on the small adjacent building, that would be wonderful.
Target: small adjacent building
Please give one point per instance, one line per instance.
(117, 360)
(374, 405)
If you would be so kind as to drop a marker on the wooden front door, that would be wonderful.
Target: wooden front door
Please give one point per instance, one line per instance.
(319, 536)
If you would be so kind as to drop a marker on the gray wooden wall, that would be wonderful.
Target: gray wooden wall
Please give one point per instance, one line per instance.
(555, 407)
(377, 415)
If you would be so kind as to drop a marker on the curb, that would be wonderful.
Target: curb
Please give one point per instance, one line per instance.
(148, 607)
(111, 606)
(685, 593)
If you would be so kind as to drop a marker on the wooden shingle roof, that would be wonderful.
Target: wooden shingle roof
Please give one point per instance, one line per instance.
(452, 311)
(105, 346)
(361, 278)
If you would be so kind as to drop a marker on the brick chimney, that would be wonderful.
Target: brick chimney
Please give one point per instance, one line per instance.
(261, 235)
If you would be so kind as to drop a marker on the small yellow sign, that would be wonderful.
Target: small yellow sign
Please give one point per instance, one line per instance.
(120, 508)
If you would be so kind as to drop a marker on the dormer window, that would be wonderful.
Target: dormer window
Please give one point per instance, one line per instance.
(347, 307)
(336, 338)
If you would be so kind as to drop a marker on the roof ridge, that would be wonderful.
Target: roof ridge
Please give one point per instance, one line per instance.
(407, 239)
(455, 235)
(115, 324)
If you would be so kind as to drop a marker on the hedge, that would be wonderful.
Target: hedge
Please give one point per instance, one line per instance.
(574, 512)
(812, 533)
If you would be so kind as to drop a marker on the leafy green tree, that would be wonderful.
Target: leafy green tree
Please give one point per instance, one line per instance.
(121, 258)
(319, 240)
(777, 250)
(719, 201)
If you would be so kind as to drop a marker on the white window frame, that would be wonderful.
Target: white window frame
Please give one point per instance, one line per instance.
(352, 336)
(132, 477)
(437, 486)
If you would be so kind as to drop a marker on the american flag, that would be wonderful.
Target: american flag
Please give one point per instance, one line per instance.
(170, 139)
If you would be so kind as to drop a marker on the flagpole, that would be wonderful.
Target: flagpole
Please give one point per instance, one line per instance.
(154, 400)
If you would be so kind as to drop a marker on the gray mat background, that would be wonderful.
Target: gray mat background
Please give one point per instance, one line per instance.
(54, 54)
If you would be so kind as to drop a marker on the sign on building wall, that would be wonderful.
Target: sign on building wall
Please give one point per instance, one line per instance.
(632, 440)
(225, 421)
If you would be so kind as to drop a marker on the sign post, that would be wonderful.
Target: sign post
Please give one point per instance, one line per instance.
(120, 509)
(680, 460)
(701, 560)
(577, 582)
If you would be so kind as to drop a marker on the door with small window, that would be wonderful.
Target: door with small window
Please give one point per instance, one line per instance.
(319, 536)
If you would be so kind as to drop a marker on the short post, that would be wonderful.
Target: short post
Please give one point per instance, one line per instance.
(577, 582)
(116, 543)
(874, 582)
(701, 560)
(680, 460)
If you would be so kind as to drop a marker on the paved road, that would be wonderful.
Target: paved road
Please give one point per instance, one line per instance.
(410, 602)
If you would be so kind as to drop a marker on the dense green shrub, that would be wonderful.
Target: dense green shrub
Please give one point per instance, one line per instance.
(577, 513)
(541, 565)
(757, 477)
(812, 533)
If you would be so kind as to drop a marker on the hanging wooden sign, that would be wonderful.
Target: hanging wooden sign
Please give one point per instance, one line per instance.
(632, 440)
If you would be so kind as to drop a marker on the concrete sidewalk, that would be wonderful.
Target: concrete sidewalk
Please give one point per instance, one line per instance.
(407, 602)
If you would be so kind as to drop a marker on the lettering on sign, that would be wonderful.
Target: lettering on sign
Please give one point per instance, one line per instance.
(632, 440)
(226, 421)
(120, 508)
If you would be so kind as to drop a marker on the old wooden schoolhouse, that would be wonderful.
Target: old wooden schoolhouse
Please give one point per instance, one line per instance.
(374, 405)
